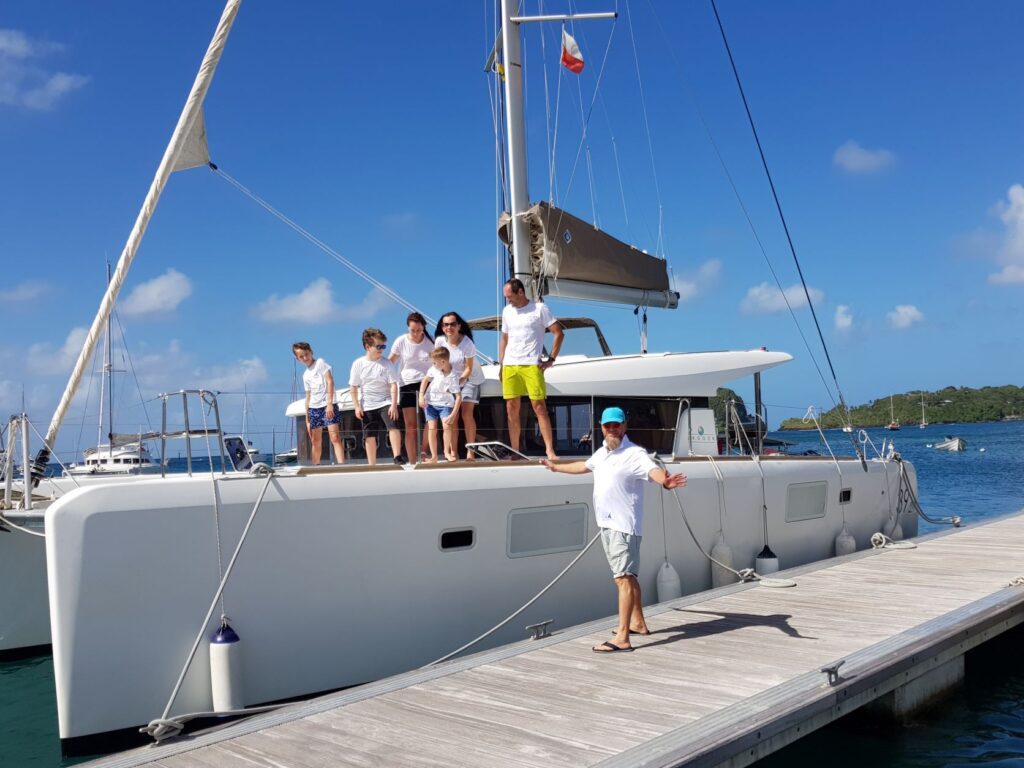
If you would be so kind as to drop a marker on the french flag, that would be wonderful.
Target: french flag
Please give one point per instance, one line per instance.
(572, 59)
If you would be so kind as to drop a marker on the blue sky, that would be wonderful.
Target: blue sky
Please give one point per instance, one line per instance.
(893, 132)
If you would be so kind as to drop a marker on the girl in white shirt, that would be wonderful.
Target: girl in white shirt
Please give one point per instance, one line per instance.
(411, 355)
(454, 334)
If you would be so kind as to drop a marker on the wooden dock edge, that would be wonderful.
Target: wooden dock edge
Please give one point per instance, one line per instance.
(780, 716)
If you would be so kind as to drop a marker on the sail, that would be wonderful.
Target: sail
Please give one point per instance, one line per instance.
(574, 259)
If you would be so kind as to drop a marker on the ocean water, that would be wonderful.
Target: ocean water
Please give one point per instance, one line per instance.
(983, 724)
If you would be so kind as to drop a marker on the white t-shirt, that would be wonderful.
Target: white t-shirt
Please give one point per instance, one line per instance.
(442, 388)
(413, 359)
(314, 379)
(457, 357)
(619, 477)
(525, 327)
(374, 379)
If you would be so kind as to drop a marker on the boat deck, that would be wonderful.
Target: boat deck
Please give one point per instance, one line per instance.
(726, 677)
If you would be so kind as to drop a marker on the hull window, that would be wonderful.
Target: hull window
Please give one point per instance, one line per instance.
(461, 538)
(545, 530)
(806, 501)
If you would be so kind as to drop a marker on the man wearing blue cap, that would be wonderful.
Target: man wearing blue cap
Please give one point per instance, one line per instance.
(620, 466)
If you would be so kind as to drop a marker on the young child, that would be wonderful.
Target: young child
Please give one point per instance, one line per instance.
(320, 409)
(441, 398)
(374, 384)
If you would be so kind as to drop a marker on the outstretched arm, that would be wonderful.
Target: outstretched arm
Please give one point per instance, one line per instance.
(665, 480)
(573, 468)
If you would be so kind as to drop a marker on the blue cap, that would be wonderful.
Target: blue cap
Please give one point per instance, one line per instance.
(613, 414)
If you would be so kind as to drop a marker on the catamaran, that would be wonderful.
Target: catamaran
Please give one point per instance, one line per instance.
(346, 574)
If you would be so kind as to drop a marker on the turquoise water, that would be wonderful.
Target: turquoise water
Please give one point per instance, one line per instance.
(982, 725)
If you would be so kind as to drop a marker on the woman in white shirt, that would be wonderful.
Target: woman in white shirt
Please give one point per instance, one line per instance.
(411, 355)
(454, 333)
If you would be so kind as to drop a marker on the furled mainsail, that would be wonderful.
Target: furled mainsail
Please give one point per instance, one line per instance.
(574, 259)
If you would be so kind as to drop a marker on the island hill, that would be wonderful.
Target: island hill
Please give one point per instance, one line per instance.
(952, 405)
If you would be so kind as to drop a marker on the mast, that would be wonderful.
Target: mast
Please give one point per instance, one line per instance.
(189, 115)
(106, 386)
(516, 139)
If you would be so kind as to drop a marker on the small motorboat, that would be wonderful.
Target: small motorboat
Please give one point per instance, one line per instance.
(951, 444)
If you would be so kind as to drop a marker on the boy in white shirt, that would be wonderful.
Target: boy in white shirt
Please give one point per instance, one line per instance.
(440, 399)
(374, 386)
(320, 409)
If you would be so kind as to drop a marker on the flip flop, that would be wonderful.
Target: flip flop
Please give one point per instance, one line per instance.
(633, 632)
(609, 647)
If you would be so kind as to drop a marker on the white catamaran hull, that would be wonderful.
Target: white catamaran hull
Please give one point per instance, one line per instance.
(343, 578)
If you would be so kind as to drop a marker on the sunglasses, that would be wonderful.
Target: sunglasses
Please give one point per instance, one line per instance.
(381, 347)
(449, 325)
(612, 424)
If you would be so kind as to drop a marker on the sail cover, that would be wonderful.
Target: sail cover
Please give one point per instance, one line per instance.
(564, 247)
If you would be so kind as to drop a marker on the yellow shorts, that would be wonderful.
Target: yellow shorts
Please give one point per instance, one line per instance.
(519, 380)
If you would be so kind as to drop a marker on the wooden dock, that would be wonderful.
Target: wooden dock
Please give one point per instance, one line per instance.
(725, 678)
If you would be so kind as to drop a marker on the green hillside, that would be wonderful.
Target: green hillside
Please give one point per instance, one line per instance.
(947, 406)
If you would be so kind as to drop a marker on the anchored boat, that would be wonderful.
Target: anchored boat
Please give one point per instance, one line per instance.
(343, 575)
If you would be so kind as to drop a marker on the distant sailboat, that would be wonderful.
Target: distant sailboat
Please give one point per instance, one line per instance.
(924, 421)
(893, 424)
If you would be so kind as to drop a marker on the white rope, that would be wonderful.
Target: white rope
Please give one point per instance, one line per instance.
(1016, 581)
(216, 498)
(530, 602)
(162, 729)
(159, 723)
(881, 541)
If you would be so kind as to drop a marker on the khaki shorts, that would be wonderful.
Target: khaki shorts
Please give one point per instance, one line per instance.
(622, 551)
(519, 380)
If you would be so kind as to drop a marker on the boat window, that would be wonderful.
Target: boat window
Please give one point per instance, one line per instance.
(461, 538)
(651, 422)
(845, 495)
(571, 422)
(545, 530)
(806, 501)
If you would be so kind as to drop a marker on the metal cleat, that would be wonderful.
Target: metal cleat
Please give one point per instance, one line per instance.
(832, 671)
(539, 630)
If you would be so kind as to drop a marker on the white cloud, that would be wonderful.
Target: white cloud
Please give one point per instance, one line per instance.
(853, 158)
(231, 378)
(1010, 253)
(904, 316)
(691, 285)
(844, 319)
(24, 82)
(43, 359)
(10, 397)
(315, 304)
(766, 298)
(157, 296)
(31, 289)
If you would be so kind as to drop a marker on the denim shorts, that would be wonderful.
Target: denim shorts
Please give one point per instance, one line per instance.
(435, 412)
(317, 417)
(470, 393)
(623, 552)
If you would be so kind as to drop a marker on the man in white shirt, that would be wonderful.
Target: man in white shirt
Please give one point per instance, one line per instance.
(620, 467)
(523, 323)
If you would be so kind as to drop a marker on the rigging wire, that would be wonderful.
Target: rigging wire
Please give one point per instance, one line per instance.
(743, 208)
(317, 242)
(131, 364)
(660, 245)
(778, 207)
